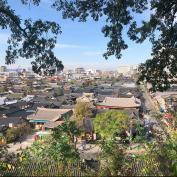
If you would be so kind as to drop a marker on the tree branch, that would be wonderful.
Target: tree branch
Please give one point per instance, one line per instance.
(14, 19)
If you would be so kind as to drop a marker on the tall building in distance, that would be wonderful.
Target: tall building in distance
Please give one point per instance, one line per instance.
(3, 69)
(126, 70)
(79, 70)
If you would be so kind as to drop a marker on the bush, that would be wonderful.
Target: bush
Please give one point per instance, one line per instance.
(58, 92)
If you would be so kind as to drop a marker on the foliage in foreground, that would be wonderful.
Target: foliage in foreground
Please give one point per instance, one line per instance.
(112, 159)
(30, 39)
(58, 146)
(121, 16)
(161, 158)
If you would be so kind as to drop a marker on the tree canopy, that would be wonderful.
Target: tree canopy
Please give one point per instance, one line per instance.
(27, 38)
(58, 146)
(112, 159)
(82, 110)
(160, 28)
(110, 123)
(30, 39)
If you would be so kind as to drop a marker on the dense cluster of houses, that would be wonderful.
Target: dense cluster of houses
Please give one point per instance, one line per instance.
(44, 109)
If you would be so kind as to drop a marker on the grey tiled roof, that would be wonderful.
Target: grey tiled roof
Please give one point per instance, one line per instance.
(48, 114)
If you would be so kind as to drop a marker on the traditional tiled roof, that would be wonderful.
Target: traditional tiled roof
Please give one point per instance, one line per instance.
(48, 114)
(120, 102)
(5, 122)
(53, 124)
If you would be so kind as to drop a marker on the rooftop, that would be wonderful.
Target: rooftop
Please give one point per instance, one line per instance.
(47, 114)
(121, 102)
(53, 124)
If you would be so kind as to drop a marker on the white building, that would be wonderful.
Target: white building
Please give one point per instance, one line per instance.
(126, 70)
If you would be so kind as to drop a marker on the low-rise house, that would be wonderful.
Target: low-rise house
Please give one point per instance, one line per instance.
(11, 109)
(28, 98)
(101, 98)
(129, 85)
(43, 116)
(119, 103)
(51, 125)
(18, 88)
(107, 91)
(10, 122)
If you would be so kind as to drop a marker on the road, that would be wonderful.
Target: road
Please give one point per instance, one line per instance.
(150, 118)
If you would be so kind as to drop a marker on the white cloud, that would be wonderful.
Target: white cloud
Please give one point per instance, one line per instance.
(67, 46)
(93, 53)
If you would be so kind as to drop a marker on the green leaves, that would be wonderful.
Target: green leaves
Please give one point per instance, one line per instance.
(112, 159)
(37, 39)
(109, 123)
(31, 40)
(118, 15)
(82, 110)
(58, 147)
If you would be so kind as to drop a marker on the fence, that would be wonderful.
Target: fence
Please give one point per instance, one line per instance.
(136, 168)
(47, 169)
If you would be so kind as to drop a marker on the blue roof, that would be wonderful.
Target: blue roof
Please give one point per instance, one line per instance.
(42, 121)
(30, 110)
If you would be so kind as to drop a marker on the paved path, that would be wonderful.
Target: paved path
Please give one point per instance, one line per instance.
(26, 142)
(148, 103)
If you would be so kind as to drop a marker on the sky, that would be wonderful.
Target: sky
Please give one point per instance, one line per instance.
(80, 44)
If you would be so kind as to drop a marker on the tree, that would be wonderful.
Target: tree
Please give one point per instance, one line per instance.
(111, 159)
(169, 152)
(82, 110)
(160, 29)
(87, 83)
(59, 146)
(58, 91)
(119, 15)
(30, 39)
(70, 128)
(3, 89)
(160, 158)
(111, 123)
